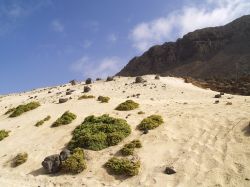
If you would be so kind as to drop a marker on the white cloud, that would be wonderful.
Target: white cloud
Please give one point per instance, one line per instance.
(189, 18)
(89, 67)
(112, 38)
(57, 26)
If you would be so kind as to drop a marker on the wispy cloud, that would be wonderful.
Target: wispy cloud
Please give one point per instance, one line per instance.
(112, 38)
(189, 18)
(57, 26)
(94, 68)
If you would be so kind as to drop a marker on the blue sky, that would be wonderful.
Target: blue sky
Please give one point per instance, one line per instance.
(49, 42)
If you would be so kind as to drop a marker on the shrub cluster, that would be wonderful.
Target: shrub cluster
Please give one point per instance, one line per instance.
(141, 112)
(97, 133)
(128, 149)
(65, 119)
(75, 163)
(41, 122)
(86, 97)
(103, 99)
(127, 105)
(9, 111)
(23, 108)
(123, 166)
(3, 134)
(150, 122)
(20, 159)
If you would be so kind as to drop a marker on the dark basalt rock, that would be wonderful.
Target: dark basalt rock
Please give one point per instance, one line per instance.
(217, 96)
(86, 89)
(52, 163)
(63, 100)
(73, 82)
(139, 79)
(110, 78)
(169, 171)
(88, 81)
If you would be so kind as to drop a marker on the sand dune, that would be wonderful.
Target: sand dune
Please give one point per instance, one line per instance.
(207, 144)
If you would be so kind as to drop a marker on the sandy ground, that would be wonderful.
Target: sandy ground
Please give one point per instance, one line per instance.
(206, 143)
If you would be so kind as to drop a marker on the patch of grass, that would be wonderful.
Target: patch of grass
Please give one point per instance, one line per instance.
(65, 119)
(127, 105)
(150, 122)
(75, 163)
(141, 112)
(23, 108)
(96, 133)
(103, 99)
(3, 134)
(20, 159)
(86, 97)
(128, 149)
(123, 166)
(41, 122)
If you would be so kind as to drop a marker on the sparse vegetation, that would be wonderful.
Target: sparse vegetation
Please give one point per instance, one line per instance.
(86, 97)
(20, 159)
(97, 133)
(128, 149)
(75, 163)
(23, 108)
(3, 134)
(9, 111)
(65, 119)
(150, 122)
(141, 112)
(41, 122)
(103, 99)
(123, 166)
(127, 105)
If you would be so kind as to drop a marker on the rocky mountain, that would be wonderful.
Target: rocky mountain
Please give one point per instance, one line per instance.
(216, 52)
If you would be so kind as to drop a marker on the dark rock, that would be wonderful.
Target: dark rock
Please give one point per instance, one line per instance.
(63, 100)
(169, 171)
(98, 79)
(73, 82)
(157, 77)
(216, 102)
(86, 89)
(49, 91)
(221, 93)
(64, 154)
(68, 93)
(139, 79)
(217, 96)
(145, 131)
(52, 164)
(88, 81)
(110, 78)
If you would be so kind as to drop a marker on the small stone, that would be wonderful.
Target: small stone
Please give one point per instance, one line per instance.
(169, 171)
(88, 81)
(86, 89)
(217, 96)
(63, 100)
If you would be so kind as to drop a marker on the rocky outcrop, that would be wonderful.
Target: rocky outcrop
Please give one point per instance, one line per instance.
(215, 52)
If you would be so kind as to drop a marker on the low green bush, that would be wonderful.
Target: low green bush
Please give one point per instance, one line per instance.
(65, 119)
(103, 99)
(150, 122)
(75, 163)
(96, 133)
(20, 159)
(127, 105)
(41, 122)
(141, 112)
(128, 149)
(23, 108)
(3, 134)
(123, 166)
(86, 97)
(9, 111)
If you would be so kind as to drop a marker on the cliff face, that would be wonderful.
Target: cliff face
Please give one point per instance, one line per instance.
(211, 52)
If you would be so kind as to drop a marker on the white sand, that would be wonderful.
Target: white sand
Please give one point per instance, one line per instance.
(204, 142)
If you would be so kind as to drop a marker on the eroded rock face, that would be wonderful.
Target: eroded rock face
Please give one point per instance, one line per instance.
(205, 53)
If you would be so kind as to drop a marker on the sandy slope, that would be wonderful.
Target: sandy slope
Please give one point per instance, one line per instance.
(206, 143)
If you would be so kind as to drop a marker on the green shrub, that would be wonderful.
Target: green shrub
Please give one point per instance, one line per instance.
(65, 119)
(41, 122)
(103, 99)
(127, 105)
(97, 133)
(3, 134)
(75, 163)
(86, 97)
(150, 122)
(141, 112)
(123, 166)
(128, 149)
(20, 159)
(24, 108)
